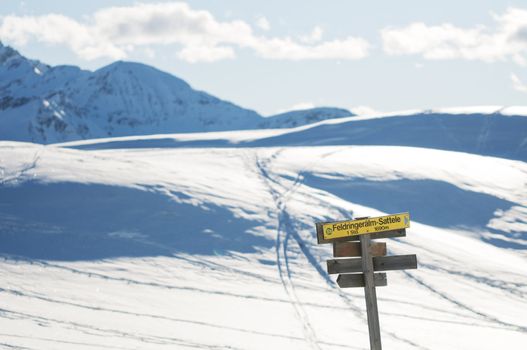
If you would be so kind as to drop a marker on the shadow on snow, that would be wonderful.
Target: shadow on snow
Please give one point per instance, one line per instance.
(490, 135)
(430, 202)
(69, 221)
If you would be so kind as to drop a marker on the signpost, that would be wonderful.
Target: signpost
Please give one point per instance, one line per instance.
(346, 249)
(357, 262)
(329, 231)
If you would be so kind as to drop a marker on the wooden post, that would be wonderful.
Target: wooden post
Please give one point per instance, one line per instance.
(359, 272)
(371, 296)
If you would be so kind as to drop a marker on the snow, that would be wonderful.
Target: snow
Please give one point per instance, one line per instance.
(295, 118)
(515, 110)
(163, 240)
(469, 110)
(489, 135)
(207, 247)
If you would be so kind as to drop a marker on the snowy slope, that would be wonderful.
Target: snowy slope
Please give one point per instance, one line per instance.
(482, 132)
(45, 104)
(302, 117)
(214, 248)
(492, 134)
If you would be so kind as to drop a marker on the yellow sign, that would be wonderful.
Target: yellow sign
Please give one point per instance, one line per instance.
(340, 229)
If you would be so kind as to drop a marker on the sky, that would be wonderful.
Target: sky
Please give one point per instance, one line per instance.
(273, 56)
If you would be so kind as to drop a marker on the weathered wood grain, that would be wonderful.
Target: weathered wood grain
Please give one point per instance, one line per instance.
(352, 280)
(350, 249)
(370, 294)
(380, 263)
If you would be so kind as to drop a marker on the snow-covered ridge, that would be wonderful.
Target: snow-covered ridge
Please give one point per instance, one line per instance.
(490, 134)
(305, 116)
(47, 104)
(520, 111)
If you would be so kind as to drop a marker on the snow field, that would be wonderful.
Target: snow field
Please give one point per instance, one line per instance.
(263, 285)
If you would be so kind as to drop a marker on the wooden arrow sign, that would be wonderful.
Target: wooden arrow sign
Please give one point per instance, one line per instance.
(349, 249)
(350, 280)
(380, 263)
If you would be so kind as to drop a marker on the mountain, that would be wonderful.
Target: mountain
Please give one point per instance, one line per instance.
(47, 104)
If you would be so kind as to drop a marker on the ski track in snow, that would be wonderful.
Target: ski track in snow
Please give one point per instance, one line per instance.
(282, 239)
(509, 287)
(107, 332)
(92, 274)
(10, 314)
(281, 204)
(285, 228)
(153, 316)
(484, 133)
(460, 304)
(21, 172)
(506, 287)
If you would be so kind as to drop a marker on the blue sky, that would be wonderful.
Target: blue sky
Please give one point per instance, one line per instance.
(274, 55)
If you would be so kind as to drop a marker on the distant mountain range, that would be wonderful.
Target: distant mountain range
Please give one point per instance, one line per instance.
(46, 104)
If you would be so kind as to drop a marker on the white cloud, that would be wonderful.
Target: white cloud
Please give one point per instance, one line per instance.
(195, 54)
(520, 60)
(263, 23)
(58, 29)
(313, 37)
(508, 40)
(167, 23)
(288, 49)
(517, 84)
(115, 31)
(149, 52)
